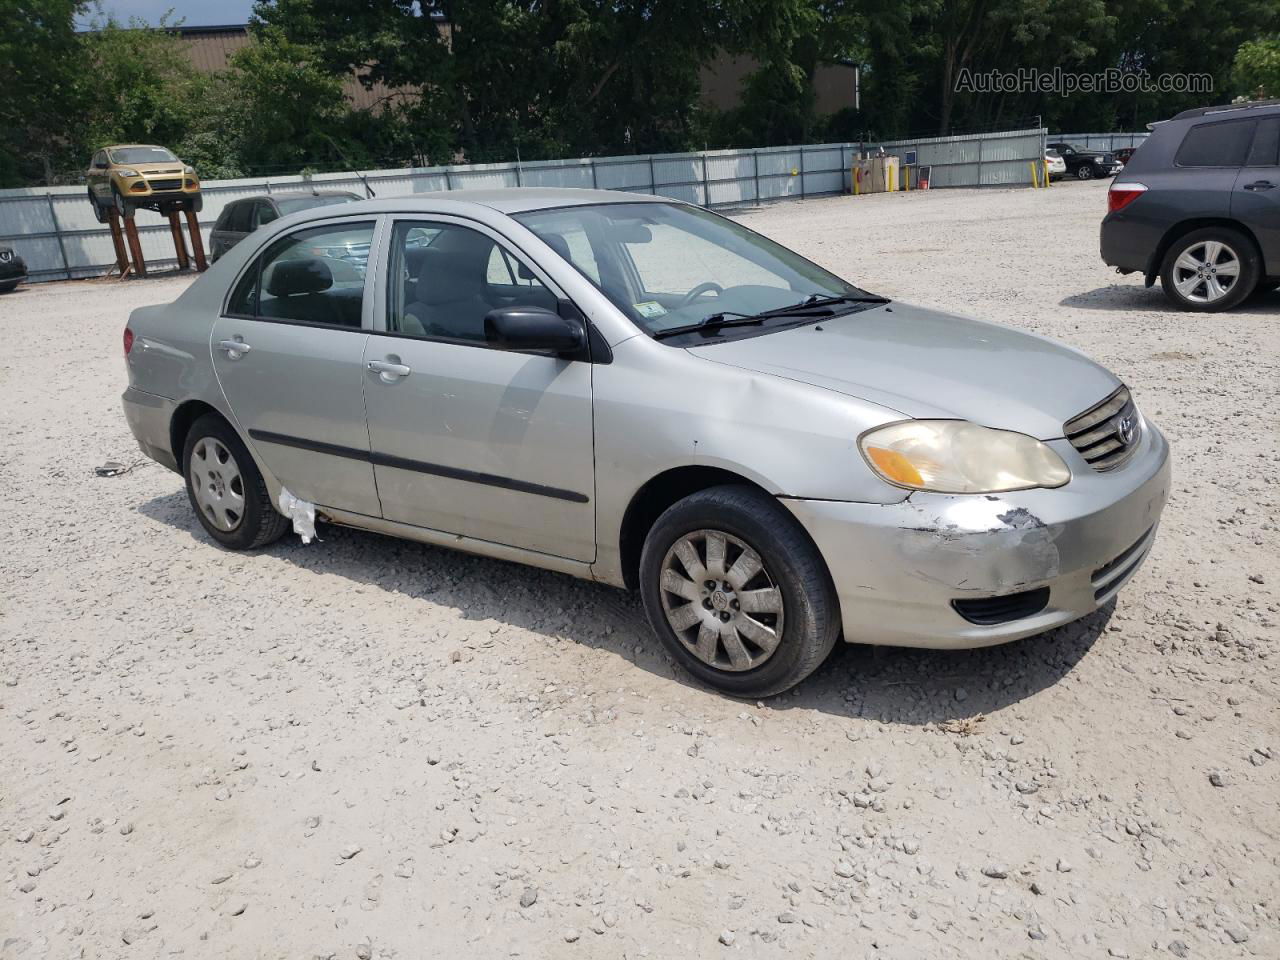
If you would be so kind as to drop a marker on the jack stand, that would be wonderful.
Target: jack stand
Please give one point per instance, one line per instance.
(117, 241)
(179, 247)
(197, 244)
(135, 246)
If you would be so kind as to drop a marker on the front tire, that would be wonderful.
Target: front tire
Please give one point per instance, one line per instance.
(1084, 172)
(1210, 270)
(225, 488)
(737, 592)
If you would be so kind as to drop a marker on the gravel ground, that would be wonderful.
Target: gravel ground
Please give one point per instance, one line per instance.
(371, 748)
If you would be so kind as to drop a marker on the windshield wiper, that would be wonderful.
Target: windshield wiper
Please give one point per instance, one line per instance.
(814, 305)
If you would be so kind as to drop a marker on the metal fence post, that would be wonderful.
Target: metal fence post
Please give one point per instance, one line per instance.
(802, 193)
(448, 181)
(653, 184)
(595, 183)
(62, 247)
(755, 167)
(706, 191)
(979, 161)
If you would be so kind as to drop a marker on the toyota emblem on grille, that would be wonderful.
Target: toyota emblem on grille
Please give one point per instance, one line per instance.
(5, 256)
(1126, 428)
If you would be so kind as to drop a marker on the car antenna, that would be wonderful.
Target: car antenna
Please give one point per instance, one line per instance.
(363, 180)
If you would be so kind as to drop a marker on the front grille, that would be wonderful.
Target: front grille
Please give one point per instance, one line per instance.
(1109, 577)
(1106, 435)
(165, 184)
(987, 611)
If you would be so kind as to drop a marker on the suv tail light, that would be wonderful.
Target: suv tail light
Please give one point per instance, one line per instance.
(128, 341)
(1122, 194)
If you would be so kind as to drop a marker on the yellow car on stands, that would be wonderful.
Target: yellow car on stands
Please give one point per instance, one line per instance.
(137, 176)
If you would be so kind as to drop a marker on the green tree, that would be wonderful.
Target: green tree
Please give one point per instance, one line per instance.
(40, 65)
(1256, 72)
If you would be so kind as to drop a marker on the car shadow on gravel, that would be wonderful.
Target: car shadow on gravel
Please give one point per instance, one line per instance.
(879, 684)
(1134, 297)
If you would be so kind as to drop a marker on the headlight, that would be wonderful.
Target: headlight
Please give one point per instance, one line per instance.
(188, 169)
(955, 456)
(126, 172)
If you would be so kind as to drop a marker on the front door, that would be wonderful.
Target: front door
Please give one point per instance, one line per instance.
(288, 353)
(1255, 202)
(467, 439)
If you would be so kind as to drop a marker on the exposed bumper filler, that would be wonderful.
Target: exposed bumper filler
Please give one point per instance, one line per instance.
(899, 567)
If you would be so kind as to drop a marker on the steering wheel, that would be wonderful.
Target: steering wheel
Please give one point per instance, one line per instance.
(698, 291)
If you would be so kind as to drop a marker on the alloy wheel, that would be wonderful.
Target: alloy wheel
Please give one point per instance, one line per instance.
(1206, 271)
(720, 601)
(216, 481)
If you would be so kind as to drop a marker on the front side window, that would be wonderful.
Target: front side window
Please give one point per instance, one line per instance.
(312, 276)
(263, 213)
(1216, 144)
(667, 266)
(1265, 151)
(445, 278)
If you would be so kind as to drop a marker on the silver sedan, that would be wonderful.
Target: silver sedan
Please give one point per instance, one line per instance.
(640, 392)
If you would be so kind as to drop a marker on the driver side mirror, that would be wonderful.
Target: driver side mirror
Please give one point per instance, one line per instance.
(534, 328)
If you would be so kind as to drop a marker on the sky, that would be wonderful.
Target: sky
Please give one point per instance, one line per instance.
(194, 13)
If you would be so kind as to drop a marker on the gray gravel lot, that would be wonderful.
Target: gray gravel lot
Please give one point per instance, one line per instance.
(371, 748)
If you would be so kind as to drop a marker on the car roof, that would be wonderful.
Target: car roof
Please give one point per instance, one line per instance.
(1264, 105)
(507, 200)
(126, 146)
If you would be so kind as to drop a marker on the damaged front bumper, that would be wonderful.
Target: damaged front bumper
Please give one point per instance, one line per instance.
(899, 568)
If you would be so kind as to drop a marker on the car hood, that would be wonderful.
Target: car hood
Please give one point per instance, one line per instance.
(157, 169)
(925, 363)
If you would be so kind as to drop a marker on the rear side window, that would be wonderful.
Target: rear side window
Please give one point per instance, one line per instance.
(1216, 144)
(1265, 151)
(239, 218)
(311, 276)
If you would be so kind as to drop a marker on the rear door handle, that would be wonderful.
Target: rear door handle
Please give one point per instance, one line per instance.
(1259, 185)
(389, 371)
(235, 349)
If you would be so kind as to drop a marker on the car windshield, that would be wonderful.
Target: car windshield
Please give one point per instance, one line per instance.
(142, 155)
(1053, 154)
(669, 266)
(294, 204)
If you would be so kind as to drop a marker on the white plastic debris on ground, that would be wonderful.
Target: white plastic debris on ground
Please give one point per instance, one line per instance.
(301, 512)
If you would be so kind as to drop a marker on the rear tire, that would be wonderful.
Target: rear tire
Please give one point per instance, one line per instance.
(225, 488)
(9, 285)
(1216, 249)
(749, 636)
(98, 213)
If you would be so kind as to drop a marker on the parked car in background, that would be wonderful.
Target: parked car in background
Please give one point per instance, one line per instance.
(643, 393)
(1054, 164)
(132, 177)
(13, 270)
(1124, 153)
(1087, 164)
(241, 217)
(1199, 206)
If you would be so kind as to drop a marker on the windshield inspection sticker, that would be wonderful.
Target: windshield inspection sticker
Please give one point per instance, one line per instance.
(651, 309)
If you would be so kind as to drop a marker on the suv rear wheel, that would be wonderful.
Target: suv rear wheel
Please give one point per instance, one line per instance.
(1210, 269)
(737, 592)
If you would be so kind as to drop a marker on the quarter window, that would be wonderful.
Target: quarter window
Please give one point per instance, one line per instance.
(1216, 144)
(444, 278)
(312, 276)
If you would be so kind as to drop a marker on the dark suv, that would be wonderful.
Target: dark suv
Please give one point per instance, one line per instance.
(1199, 206)
(1087, 164)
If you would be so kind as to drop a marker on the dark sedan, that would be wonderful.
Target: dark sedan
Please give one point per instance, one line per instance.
(12, 269)
(1087, 164)
(241, 217)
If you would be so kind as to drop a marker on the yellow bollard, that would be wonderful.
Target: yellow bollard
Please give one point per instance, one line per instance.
(1045, 165)
(1035, 179)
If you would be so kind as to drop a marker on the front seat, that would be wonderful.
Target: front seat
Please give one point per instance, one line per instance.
(449, 297)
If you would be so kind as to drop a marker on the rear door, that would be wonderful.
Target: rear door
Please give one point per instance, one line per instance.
(288, 353)
(1255, 201)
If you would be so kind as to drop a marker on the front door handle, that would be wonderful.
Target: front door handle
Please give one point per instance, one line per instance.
(235, 349)
(389, 371)
(1259, 185)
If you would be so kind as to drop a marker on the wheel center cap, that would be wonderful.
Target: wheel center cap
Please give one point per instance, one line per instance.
(719, 600)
